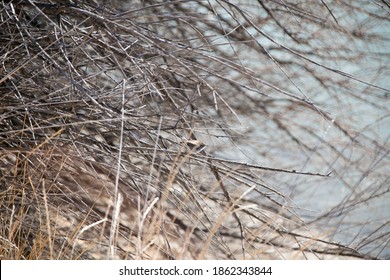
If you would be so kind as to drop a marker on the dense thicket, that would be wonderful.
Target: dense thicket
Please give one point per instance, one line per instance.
(103, 104)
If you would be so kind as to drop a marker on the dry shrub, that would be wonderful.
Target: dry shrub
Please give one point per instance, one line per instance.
(98, 99)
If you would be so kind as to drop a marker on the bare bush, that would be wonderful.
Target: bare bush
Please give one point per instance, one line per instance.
(193, 129)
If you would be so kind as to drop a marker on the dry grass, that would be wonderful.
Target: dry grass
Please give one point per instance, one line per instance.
(96, 99)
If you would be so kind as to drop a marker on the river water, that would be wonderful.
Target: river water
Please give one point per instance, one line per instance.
(352, 205)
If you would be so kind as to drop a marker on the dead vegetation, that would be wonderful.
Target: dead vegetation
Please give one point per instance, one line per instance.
(98, 100)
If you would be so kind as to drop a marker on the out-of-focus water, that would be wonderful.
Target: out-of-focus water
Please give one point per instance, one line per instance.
(353, 204)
